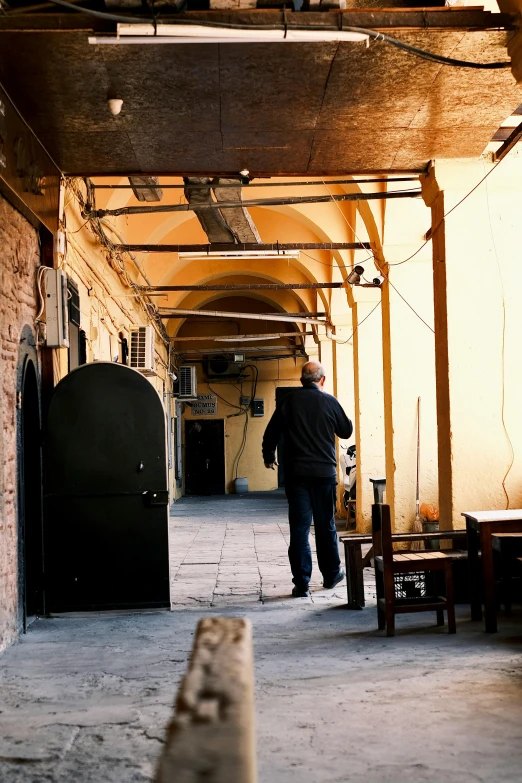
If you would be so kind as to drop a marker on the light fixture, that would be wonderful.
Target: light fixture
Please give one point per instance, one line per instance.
(190, 34)
(114, 105)
(244, 339)
(354, 278)
(239, 254)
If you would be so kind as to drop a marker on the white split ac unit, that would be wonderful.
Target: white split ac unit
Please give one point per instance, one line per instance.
(57, 322)
(141, 354)
(188, 382)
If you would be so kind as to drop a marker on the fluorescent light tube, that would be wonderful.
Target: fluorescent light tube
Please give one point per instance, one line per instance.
(183, 34)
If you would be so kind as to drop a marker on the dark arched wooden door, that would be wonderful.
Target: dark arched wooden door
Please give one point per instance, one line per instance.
(106, 520)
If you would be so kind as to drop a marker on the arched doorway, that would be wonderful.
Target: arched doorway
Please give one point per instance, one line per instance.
(30, 497)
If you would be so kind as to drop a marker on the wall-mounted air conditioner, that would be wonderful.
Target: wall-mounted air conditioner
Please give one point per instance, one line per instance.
(57, 322)
(223, 366)
(141, 354)
(187, 382)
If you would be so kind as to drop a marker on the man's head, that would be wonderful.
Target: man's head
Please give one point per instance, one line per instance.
(313, 372)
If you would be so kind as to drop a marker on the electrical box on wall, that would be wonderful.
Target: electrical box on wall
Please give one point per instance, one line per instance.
(141, 355)
(57, 324)
(258, 407)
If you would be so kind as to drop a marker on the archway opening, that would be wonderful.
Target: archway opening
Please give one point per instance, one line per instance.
(30, 497)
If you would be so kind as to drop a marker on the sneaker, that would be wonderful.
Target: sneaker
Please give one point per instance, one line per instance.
(339, 578)
(300, 592)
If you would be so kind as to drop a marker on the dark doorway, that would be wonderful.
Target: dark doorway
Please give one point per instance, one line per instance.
(106, 501)
(281, 391)
(204, 457)
(30, 497)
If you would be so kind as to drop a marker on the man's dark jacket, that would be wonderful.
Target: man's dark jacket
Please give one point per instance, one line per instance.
(308, 419)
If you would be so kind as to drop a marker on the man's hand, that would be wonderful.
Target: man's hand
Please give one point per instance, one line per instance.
(271, 465)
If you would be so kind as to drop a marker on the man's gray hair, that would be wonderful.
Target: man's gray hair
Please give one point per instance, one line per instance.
(312, 372)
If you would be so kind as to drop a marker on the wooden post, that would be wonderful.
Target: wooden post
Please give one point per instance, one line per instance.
(434, 198)
(211, 736)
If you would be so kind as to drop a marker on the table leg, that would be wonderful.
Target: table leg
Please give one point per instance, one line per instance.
(354, 575)
(359, 576)
(488, 571)
(474, 571)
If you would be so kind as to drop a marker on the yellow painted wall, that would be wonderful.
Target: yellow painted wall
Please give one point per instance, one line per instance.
(251, 463)
(484, 280)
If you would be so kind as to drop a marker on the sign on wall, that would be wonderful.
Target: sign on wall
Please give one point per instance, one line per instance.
(206, 405)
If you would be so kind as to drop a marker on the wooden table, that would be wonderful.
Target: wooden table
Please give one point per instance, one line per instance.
(480, 526)
(355, 564)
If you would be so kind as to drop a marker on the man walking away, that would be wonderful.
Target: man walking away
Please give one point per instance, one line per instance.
(308, 419)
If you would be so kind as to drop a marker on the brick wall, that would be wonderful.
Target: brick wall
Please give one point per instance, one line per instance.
(19, 259)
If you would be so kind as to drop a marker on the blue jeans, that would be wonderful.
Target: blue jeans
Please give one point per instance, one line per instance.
(306, 500)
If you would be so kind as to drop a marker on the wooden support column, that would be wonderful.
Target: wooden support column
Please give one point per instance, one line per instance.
(388, 400)
(434, 198)
(211, 736)
(369, 428)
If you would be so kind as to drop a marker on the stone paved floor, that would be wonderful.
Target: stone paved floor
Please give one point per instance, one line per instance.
(85, 699)
(233, 550)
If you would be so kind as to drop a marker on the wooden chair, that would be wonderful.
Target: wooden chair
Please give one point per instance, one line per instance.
(389, 563)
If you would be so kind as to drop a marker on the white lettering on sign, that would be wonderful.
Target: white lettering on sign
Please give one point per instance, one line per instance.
(206, 405)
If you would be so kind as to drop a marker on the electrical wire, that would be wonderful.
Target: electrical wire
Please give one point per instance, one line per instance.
(503, 404)
(39, 278)
(373, 34)
(343, 342)
(340, 266)
(247, 419)
(446, 214)
(231, 404)
(342, 213)
(410, 306)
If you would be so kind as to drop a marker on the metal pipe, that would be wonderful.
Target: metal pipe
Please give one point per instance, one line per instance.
(239, 287)
(257, 202)
(246, 316)
(244, 247)
(241, 336)
(308, 183)
(194, 319)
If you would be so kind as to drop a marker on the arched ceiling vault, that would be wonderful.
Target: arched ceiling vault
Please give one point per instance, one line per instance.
(255, 302)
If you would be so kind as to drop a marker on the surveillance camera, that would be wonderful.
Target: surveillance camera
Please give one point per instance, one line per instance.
(379, 280)
(354, 278)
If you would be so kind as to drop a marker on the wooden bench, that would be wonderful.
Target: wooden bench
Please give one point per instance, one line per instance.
(355, 563)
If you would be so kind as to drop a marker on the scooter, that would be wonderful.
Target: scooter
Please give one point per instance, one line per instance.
(348, 463)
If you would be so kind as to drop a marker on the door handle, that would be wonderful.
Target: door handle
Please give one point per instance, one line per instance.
(156, 497)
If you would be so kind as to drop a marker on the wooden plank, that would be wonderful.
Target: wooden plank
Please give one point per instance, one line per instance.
(513, 138)
(378, 18)
(211, 736)
(507, 535)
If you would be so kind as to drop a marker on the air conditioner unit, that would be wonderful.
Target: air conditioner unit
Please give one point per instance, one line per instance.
(187, 382)
(223, 366)
(57, 323)
(141, 355)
